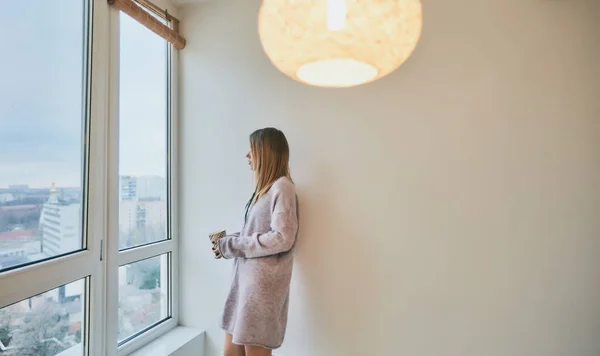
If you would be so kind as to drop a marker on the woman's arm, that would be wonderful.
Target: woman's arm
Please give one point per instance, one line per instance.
(280, 238)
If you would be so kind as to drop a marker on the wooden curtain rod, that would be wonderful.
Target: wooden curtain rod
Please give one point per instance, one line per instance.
(158, 11)
(140, 15)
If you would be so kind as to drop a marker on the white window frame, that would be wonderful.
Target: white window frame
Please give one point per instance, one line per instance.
(28, 281)
(131, 255)
(100, 258)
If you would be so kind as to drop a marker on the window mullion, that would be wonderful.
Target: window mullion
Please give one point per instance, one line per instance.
(143, 252)
(173, 170)
(98, 177)
(44, 276)
(112, 152)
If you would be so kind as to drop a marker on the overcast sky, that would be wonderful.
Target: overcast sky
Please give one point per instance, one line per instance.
(40, 95)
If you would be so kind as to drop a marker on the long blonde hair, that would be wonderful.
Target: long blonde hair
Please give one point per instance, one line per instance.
(270, 154)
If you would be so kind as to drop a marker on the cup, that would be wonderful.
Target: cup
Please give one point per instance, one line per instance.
(215, 236)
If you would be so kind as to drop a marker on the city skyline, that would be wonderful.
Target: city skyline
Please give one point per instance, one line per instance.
(36, 223)
(57, 186)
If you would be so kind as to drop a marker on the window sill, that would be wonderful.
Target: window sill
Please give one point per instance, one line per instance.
(180, 341)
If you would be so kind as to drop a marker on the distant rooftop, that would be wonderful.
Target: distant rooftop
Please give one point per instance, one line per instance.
(16, 235)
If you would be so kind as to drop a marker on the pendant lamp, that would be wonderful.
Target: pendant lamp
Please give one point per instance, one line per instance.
(339, 43)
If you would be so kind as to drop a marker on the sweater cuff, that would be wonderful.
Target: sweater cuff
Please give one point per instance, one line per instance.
(220, 247)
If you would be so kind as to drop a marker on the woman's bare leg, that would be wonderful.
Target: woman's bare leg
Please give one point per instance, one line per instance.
(232, 349)
(257, 351)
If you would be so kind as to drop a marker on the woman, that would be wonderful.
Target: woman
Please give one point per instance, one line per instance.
(255, 315)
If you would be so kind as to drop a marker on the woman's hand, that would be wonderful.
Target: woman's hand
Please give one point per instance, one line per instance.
(215, 250)
(214, 238)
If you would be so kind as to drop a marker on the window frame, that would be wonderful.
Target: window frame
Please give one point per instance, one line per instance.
(115, 257)
(99, 258)
(23, 282)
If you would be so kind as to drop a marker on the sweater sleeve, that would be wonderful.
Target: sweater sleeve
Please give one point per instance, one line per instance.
(280, 238)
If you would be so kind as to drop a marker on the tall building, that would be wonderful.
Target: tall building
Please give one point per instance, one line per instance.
(128, 188)
(60, 224)
(143, 187)
(142, 210)
(142, 214)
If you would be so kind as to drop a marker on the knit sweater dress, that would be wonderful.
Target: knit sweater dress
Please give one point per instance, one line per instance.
(256, 308)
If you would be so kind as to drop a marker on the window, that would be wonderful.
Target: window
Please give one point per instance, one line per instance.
(143, 128)
(145, 278)
(143, 296)
(49, 247)
(42, 160)
(46, 324)
(87, 240)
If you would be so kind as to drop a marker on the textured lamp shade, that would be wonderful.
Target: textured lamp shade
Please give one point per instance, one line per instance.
(339, 43)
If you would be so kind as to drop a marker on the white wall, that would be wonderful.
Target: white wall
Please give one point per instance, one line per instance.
(168, 5)
(452, 208)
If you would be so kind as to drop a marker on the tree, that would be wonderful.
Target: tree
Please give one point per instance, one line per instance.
(40, 332)
(146, 273)
(5, 329)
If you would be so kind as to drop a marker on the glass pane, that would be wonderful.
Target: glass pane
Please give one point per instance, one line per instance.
(48, 324)
(143, 295)
(42, 121)
(143, 135)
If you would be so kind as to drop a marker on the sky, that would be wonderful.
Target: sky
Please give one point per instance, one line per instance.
(41, 71)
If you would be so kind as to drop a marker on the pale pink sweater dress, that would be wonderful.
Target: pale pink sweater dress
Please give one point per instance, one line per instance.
(257, 306)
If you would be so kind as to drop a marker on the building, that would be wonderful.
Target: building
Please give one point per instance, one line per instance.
(19, 187)
(142, 221)
(6, 197)
(142, 210)
(143, 187)
(17, 247)
(60, 225)
(141, 213)
(128, 188)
